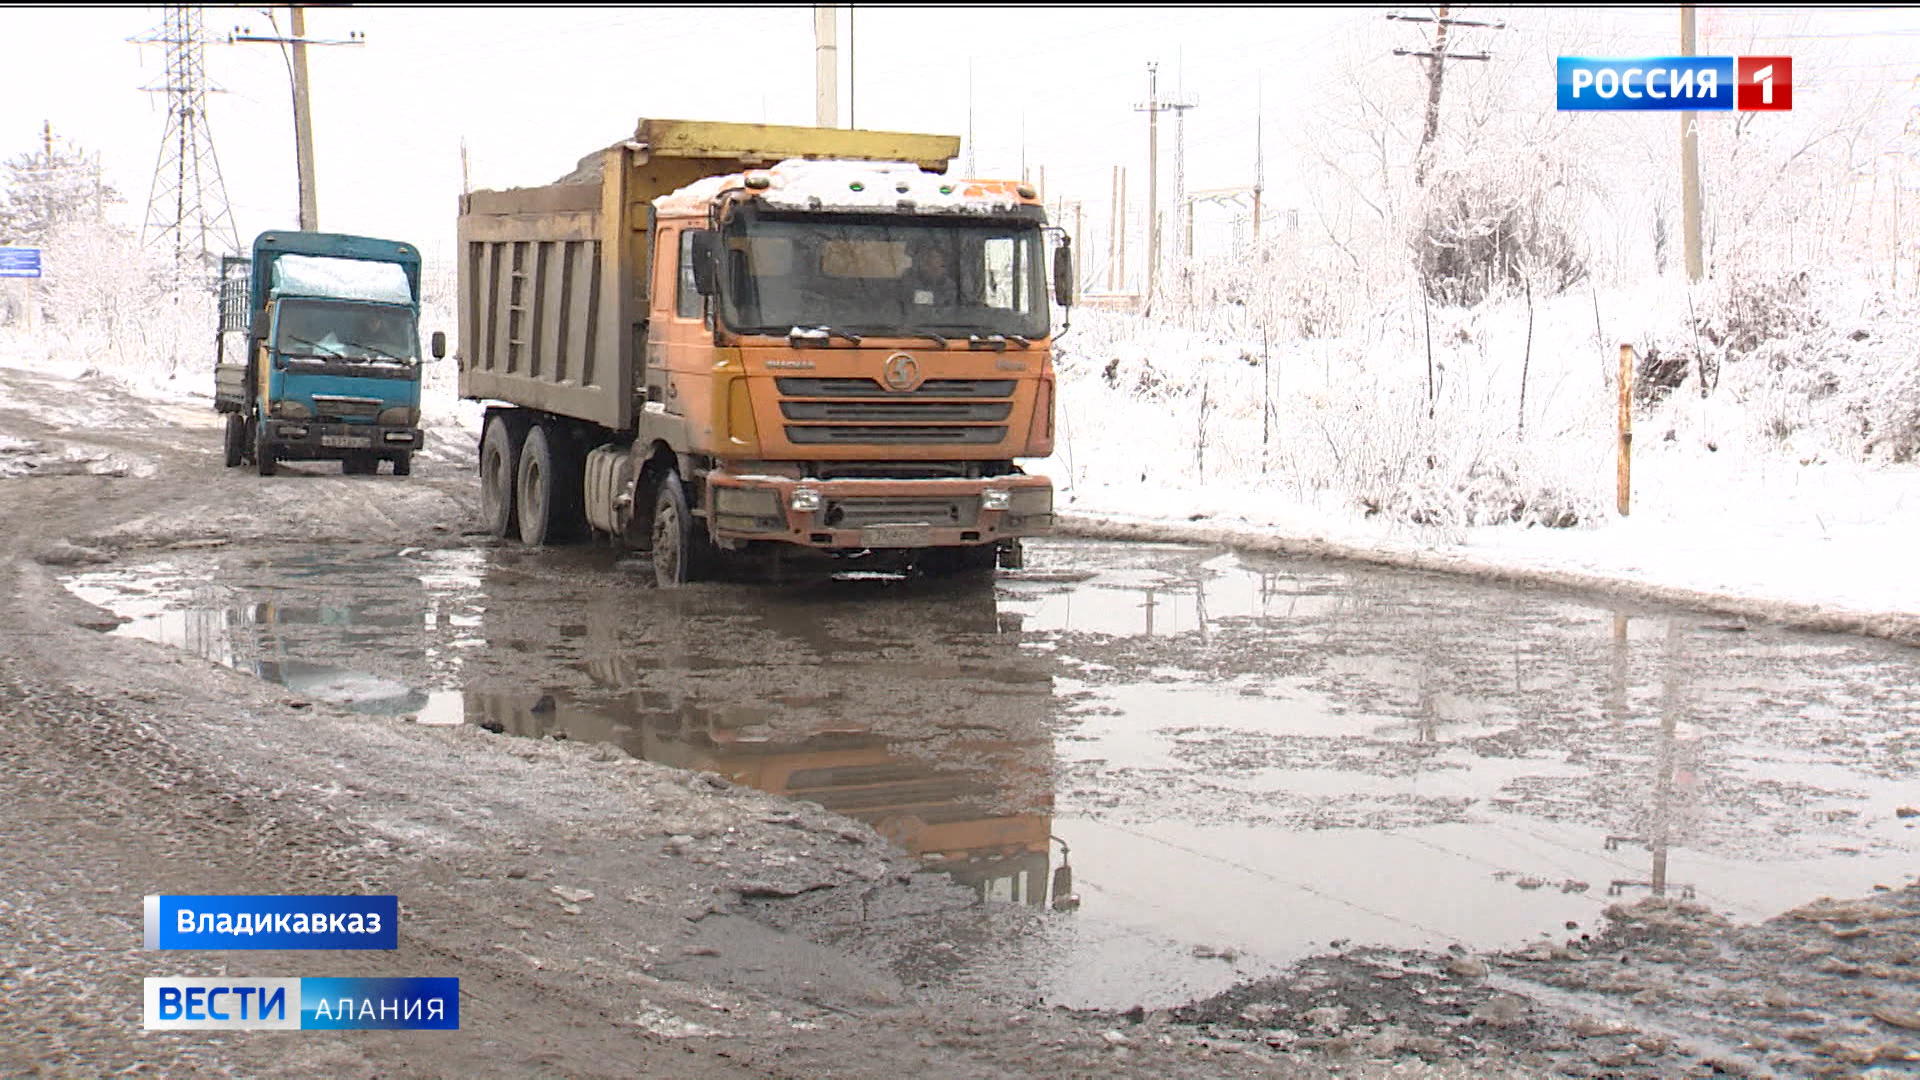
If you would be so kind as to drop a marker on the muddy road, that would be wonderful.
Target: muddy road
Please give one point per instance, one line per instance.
(1151, 810)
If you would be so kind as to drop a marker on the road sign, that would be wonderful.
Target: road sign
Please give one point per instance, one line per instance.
(19, 262)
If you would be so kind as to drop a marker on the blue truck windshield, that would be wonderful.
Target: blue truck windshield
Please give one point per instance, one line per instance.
(342, 330)
(943, 278)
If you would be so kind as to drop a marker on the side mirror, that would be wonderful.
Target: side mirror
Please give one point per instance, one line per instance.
(705, 252)
(1063, 273)
(439, 345)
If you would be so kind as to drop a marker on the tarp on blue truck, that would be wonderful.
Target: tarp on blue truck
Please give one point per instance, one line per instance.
(341, 279)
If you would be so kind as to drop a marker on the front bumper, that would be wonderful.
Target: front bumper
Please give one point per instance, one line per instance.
(878, 514)
(302, 440)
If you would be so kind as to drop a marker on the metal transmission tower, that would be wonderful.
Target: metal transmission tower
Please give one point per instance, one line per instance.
(187, 208)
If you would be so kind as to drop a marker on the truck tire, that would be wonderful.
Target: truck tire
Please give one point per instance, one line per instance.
(236, 440)
(681, 550)
(499, 475)
(263, 459)
(549, 488)
(403, 463)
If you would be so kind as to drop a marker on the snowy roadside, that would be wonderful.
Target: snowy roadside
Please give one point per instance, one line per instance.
(1820, 547)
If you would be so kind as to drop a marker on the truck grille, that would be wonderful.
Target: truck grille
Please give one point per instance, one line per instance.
(922, 411)
(950, 436)
(328, 406)
(858, 513)
(932, 388)
(938, 412)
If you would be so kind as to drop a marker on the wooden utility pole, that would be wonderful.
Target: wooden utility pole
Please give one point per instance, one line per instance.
(1624, 480)
(1436, 58)
(303, 125)
(302, 106)
(1690, 162)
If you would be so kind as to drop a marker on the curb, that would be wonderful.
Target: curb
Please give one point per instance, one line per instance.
(1897, 626)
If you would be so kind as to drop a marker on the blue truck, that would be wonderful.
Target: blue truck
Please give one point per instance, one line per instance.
(330, 365)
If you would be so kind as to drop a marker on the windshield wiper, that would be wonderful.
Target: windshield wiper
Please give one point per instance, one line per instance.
(304, 341)
(381, 354)
(901, 331)
(820, 333)
(999, 340)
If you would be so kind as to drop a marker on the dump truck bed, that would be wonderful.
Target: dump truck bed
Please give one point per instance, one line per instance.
(553, 280)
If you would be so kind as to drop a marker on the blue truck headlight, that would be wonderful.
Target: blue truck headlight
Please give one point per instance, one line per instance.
(399, 416)
(291, 410)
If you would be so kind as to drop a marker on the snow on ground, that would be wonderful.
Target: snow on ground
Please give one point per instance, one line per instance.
(1752, 491)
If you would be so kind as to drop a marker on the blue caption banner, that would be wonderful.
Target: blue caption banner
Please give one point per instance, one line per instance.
(236, 1003)
(273, 922)
(19, 262)
(1700, 83)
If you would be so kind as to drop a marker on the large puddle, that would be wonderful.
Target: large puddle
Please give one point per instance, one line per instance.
(1242, 761)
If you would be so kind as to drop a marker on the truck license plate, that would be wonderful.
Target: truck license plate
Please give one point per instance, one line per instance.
(349, 442)
(893, 536)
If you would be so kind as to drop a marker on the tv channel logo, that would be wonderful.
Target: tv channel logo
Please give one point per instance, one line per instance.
(237, 1003)
(1660, 83)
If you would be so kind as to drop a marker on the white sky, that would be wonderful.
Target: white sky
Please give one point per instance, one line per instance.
(533, 89)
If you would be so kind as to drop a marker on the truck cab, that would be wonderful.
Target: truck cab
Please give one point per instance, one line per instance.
(332, 361)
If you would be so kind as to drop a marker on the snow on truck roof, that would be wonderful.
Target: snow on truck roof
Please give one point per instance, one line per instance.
(802, 184)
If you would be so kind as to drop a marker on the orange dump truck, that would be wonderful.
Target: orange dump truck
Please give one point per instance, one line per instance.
(723, 340)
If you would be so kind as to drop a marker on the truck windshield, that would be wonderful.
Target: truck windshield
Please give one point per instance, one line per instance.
(919, 278)
(338, 330)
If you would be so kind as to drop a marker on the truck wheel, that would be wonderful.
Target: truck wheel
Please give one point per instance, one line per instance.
(680, 545)
(549, 487)
(263, 459)
(534, 491)
(236, 440)
(403, 463)
(499, 469)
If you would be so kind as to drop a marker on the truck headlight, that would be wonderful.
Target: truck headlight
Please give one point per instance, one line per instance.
(1033, 500)
(291, 410)
(749, 502)
(806, 500)
(399, 416)
(994, 499)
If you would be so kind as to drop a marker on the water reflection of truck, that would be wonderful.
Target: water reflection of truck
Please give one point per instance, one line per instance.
(331, 365)
(943, 748)
(728, 338)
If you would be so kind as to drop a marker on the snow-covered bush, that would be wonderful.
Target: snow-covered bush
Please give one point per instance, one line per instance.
(1481, 234)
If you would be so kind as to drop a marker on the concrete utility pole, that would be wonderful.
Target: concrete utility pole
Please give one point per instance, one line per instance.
(1436, 58)
(302, 106)
(1689, 162)
(826, 66)
(1153, 108)
(1259, 155)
